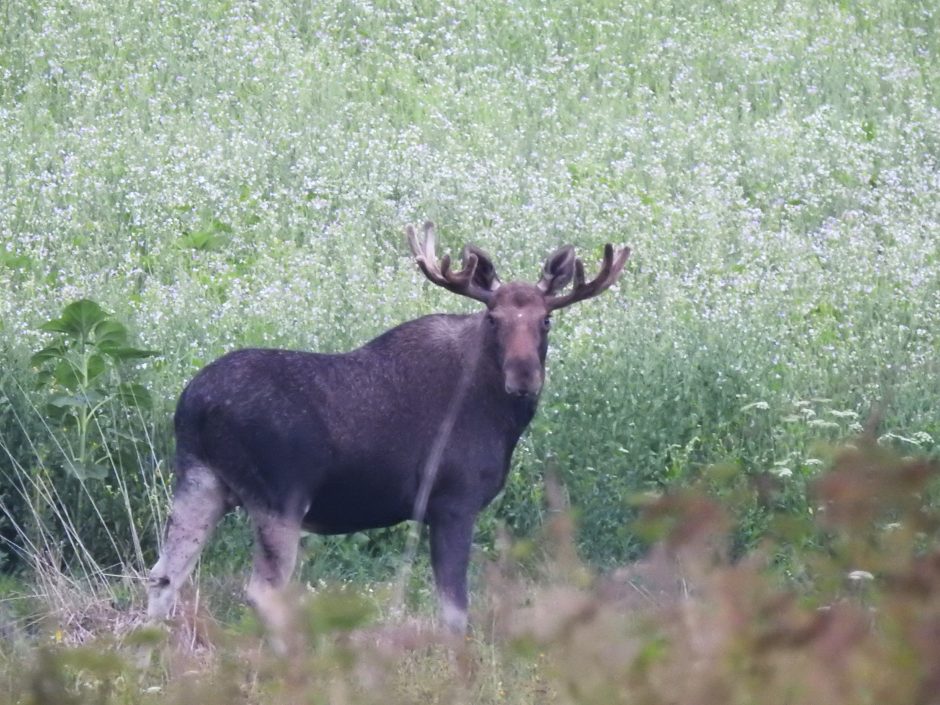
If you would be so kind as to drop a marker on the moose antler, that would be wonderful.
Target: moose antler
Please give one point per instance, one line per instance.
(611, 267)
(440, 273)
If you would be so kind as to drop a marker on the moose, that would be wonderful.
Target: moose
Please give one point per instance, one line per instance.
(418, 424)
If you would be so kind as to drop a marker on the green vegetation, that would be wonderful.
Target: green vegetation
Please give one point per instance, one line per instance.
(179, 179)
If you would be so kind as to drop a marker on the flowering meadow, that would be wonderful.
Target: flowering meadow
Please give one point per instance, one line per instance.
(179, 179)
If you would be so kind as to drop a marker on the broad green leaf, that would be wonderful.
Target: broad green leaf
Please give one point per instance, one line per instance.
(64, 401)
(110, 333)
(62, 415)
(84, 315)
(51, 352)
(78, 319)
(55, 325)
(87, 470)
(136, 395)
(123, 352)
(22, 263)
(67, 375)
(72, 375)
(203, 240)
(95, 366)
(219, 226)
(210, 236)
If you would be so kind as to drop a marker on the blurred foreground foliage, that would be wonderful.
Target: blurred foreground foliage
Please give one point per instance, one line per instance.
(686, 624)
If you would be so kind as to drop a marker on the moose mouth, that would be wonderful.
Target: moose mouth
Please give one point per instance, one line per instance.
(523, 393)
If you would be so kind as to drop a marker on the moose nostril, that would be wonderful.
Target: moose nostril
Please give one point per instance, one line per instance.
(526, 388)
(521, 392)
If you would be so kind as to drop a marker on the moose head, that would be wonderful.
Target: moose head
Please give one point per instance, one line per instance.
(519, 315)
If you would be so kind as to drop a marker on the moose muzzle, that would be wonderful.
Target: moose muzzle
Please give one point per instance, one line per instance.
(523, 377)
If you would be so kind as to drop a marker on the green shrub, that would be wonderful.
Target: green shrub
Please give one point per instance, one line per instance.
(83, 495)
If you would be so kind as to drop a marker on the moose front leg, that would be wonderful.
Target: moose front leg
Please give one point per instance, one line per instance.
(451, 536)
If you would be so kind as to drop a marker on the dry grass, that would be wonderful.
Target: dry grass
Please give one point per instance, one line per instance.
(685, 625)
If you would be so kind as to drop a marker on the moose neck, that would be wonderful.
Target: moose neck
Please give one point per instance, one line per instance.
(440, 355)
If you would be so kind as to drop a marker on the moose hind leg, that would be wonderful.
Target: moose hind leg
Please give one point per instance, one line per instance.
(199, 502)
(275, 554)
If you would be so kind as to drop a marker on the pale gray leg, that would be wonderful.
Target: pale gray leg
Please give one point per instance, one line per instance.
(275, 554)
(199, 502)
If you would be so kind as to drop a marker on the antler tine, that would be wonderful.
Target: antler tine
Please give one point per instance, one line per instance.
(578, 273)
(445, 267)
(412, 239)
(464, 277)
(423, 251)
(440, 273)
(611, 266)
(416, 245)
(430, 239)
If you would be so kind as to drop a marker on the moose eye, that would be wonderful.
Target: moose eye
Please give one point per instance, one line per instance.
(491, 319)
(547, 323)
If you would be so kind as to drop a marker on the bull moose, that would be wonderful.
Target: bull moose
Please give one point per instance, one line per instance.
(418, 424)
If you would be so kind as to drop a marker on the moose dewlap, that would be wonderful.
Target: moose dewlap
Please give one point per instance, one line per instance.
(419, 423)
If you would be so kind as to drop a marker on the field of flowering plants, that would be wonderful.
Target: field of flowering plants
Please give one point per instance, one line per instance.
(178, 179)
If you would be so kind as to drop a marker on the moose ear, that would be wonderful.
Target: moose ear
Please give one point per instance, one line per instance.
(484, 276)
(558, 271)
